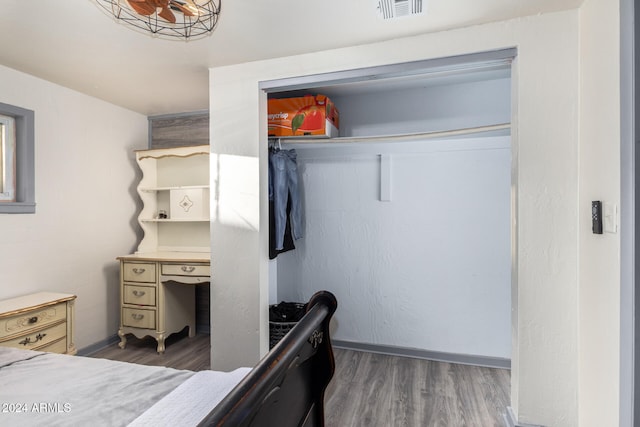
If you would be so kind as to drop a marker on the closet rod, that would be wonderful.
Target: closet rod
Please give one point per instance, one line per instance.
(399, 138)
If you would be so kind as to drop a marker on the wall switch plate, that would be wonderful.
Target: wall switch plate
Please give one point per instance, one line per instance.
(596, 217)
(610, 217)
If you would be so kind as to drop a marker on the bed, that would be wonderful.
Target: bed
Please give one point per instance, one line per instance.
(286, 388)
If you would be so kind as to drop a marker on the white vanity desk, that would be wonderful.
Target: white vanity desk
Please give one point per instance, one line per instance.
(157, 293)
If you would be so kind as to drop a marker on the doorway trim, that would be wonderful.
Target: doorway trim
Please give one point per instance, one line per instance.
(629, 323)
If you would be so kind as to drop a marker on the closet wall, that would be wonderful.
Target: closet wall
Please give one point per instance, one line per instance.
(425, 266)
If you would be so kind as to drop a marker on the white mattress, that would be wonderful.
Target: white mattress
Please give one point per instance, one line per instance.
(192, 400)
(38, 389)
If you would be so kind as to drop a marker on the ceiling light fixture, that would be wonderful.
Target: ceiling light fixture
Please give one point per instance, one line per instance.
(167, 18)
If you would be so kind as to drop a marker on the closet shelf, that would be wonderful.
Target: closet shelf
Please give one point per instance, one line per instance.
(497, 129)
(169, 220)
(177, 187)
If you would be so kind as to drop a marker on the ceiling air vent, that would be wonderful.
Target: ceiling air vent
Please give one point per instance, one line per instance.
(389, 9)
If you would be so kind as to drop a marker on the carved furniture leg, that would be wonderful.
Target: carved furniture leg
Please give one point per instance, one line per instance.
(160, 343)
(123, 339)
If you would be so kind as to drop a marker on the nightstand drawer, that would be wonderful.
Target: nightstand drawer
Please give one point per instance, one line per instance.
(139, 272)
(35, 340)
(185, 270)
(24, 322)
(139, 295)
(138, 318)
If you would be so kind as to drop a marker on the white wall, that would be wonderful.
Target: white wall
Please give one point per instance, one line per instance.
(545, 140)
(599, 180)
(464, 104)
(85, 202)
(429, 269)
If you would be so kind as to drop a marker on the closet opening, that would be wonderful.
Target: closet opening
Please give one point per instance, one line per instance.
(409, 214)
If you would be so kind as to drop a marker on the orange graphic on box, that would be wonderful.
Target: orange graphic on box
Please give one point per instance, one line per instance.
(306, 115)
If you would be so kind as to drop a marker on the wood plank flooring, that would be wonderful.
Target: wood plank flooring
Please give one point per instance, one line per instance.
(181, 352)
(373, 390)
(369, 389)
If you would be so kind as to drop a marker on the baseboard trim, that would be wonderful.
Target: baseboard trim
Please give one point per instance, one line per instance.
(510, 420)
(90, 349)
(464, 359)
(203, 329)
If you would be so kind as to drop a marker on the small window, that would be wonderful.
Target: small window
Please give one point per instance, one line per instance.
(17, 183)
(7, 159)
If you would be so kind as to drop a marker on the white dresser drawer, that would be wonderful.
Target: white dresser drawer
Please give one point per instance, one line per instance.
(138, 318)
(198, 270)
(29, 320)
(59, 346)
(37, 339)
(160, 300)
(39, 321)
(139, 295)
(139, 272)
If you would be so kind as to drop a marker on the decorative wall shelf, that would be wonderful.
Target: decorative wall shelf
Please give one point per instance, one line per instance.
(174, 190)
(182, 187)
(167, 220)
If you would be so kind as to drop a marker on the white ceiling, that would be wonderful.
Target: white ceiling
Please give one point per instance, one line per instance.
(75, 44)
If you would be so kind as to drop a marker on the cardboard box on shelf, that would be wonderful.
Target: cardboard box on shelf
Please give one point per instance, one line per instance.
(315, 116)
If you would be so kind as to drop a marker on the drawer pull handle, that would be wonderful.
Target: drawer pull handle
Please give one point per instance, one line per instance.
(32, 320)
(139, 270)
(188, 268)
(139, 293)
(27, 340)
(137, 316)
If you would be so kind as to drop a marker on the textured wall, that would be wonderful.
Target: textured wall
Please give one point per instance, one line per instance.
(86, 202)
(600, 180)
(545, 115)
(429, 269)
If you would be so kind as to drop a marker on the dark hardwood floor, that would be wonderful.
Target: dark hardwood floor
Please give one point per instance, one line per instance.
(368, 389)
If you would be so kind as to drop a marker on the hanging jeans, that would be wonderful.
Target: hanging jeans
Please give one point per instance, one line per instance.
(283, 184)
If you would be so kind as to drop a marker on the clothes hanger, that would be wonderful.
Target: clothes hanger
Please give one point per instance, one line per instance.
(272, 144)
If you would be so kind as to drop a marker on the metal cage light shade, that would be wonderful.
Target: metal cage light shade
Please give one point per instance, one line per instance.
(167, 18)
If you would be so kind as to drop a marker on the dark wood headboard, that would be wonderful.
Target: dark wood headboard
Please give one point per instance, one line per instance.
(286, 388)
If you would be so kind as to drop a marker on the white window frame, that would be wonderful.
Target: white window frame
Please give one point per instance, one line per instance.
(23, 172)
(7, 159)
